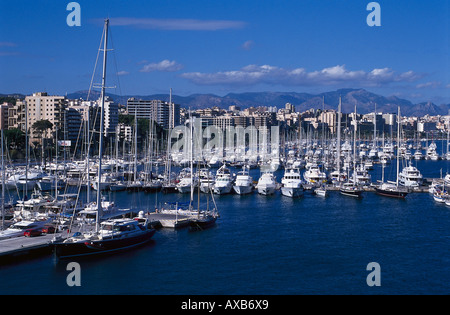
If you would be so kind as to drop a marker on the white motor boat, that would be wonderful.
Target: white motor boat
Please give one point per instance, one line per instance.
(410, 176)
(207, 180)
(184, 185)
(313, 175)
(266, 184)
(244, 182)
(292, 183)
(224, 181)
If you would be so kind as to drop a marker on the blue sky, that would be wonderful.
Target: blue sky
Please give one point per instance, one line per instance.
(221, 47)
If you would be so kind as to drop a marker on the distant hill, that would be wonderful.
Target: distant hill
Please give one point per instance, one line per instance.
(364, 100)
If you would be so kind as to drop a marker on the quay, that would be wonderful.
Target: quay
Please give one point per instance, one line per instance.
(420, 189)
(167, 220)
(23, 246)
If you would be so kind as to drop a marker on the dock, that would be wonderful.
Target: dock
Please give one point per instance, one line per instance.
(167, 220)
(23, 246)
(420, 189)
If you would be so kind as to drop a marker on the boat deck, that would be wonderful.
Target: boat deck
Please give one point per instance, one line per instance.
(168, 220)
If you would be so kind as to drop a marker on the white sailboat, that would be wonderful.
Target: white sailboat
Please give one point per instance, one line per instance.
(391, 189)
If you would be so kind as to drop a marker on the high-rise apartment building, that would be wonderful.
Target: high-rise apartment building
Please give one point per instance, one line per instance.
(165, 114)
(39, 106)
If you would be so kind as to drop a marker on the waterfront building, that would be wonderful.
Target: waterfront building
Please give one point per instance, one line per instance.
(4, 115)
(39, 106)
(165, 114)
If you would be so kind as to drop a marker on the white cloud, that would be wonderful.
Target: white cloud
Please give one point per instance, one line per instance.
(165, 66)
(254, 74)
(432, 84)
(177, 24)
(123, 73)
(248, 45)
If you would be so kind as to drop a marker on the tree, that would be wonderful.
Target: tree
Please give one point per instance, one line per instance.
(15, 142)
(41, 127)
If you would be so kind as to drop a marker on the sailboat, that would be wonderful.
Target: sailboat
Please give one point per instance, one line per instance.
(351, 188)
(390, 189)
(135, 184)
(111, 235)
(168, 184)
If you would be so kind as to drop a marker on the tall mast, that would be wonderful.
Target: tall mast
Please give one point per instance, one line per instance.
(3, 185)
(168, 163)
(398, 143)
(338, 149)
(191, 125)
(135, 144)
(102, 105)
(88, 145)
(354, 150)
(26, 152)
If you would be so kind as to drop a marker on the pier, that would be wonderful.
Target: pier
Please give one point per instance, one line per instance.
(22, 245)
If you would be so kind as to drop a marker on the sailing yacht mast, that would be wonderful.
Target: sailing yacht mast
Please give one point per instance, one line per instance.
(102, 105)
(3, 186)
(338, 148)
(398, 144)
(354, 149)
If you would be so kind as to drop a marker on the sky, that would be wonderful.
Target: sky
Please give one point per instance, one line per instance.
(233, 46)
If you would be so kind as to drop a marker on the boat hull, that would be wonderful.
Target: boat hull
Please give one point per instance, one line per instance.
(88, 248)
(390, 193)
(266, 190)
(351, 192)
(222, 190)
(291, 192)
(243, 190)
(203, 223)
(167, 189)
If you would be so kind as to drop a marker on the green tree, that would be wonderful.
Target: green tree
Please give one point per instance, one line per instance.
(40, 127)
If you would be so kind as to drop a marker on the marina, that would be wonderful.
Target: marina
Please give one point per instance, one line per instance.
(314, 240)
(179, 216)
(267, 172)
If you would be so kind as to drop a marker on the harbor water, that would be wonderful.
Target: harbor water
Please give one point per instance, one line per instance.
(271, 245)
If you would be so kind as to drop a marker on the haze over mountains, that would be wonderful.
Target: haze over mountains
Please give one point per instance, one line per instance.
(364, 100)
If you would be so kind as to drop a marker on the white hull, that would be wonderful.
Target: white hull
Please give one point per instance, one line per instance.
(243, 190)
(266, 190)
(291, 192)
(321, 192)
(222, 190)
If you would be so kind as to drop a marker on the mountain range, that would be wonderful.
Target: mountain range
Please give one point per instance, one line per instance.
(365, 101)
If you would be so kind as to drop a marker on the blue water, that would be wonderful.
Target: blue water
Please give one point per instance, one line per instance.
(271, 245)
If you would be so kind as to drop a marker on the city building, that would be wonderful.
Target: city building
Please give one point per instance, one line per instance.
(39, 106)
(4, 108)
(165, 114)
